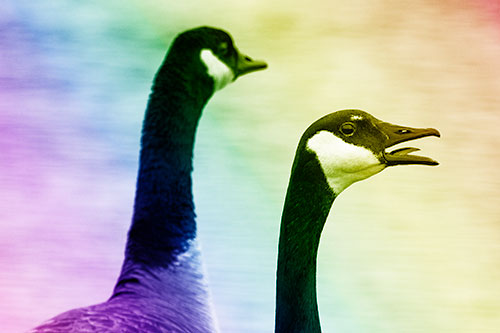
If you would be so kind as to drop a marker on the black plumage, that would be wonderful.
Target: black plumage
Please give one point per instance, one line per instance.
(161, 287)
(310, 196)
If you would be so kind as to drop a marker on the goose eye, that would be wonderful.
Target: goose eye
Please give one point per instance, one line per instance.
(223, 49)
(347, 129)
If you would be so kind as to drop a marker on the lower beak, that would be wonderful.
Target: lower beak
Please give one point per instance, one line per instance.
(396, 134)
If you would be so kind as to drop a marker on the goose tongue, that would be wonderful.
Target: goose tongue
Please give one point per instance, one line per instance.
(396, 134)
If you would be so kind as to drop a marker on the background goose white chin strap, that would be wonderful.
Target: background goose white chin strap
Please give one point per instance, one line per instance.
(217, 69)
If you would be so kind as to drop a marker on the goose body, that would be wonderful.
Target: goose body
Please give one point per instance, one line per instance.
(334, 152)
(161, 287)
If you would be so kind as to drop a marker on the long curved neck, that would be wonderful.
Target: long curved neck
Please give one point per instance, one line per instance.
(306, 208)
(163, 222)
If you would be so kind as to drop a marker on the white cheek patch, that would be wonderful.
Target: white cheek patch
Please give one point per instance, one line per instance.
(343, 163)
(218, 70)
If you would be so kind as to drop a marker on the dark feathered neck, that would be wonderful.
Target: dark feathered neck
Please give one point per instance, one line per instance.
(307, 204)
(164, 220)
(162, 262)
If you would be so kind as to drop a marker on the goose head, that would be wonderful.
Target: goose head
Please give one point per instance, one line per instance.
(352, 145)
(211, 52)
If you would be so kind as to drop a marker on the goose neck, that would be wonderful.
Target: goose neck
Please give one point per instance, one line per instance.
(306, 208)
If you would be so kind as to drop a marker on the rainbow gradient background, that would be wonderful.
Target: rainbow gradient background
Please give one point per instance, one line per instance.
(413, 249)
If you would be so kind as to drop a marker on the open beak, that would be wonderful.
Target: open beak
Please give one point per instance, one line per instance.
(396, 134)
(245, 64)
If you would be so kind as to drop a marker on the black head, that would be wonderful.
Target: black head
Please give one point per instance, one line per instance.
(350, 145)
(213, 52)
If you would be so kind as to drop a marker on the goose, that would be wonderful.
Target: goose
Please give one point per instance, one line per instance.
(337, 150)
(161, 287)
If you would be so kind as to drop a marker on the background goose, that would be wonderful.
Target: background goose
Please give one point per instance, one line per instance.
(335, 151)
(161, 287)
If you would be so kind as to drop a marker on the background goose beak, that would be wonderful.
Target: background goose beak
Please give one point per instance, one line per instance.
(396, 134)
(245, 65)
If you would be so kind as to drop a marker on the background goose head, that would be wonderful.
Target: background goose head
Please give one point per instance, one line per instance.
(351, 145)
(209, 53)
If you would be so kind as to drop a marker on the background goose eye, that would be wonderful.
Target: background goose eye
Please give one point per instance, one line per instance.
(223, 49)
(347, 129)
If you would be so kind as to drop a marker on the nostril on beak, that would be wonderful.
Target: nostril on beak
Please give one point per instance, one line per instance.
(403, 131)
(247, 58)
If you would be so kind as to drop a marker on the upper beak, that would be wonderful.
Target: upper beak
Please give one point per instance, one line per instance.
(396, 134)
(245, 64)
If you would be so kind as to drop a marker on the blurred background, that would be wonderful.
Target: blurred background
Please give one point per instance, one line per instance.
(413, 249)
